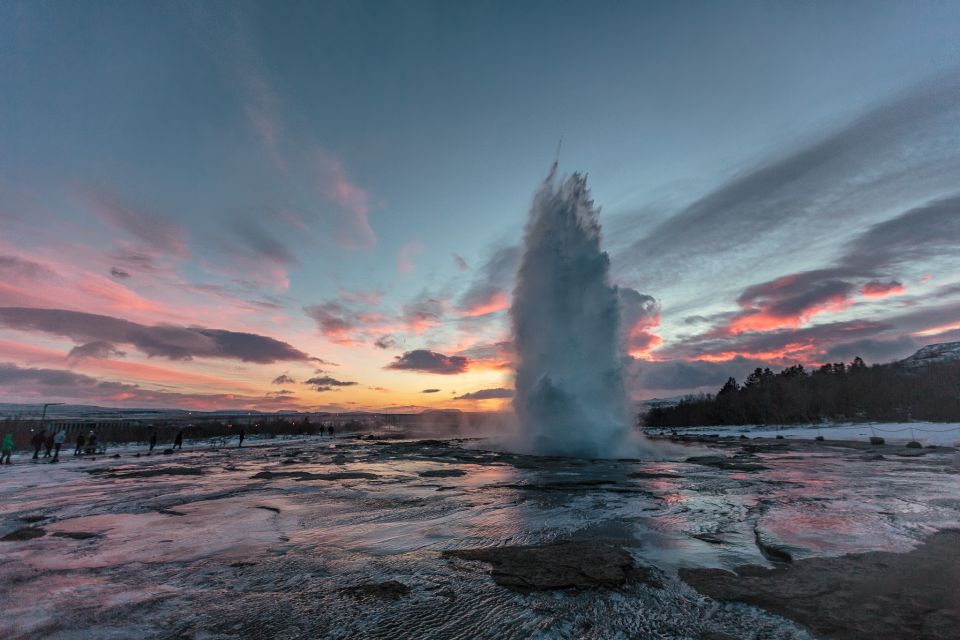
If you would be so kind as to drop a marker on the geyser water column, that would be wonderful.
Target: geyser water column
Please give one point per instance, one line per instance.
(570, 397)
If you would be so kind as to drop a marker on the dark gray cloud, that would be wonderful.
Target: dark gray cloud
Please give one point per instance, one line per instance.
(431, 391)
(283, 379)
(487, 394)
(334, 319)
(11, 266)
(262, 244)
(424, 310)
(326, 383)
(872, 351)
(166, 341)
(684, 375)
(26, 382)
(385, 342)
(495, 278)
(892, 155)
(99, 349)
(931, 229)
(460, 262)
(429, 362)
(119, 274)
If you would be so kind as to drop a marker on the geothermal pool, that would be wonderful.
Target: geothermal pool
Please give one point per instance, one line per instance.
(302, 538)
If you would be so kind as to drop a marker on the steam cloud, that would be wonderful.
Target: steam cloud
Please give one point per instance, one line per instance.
(570, 398)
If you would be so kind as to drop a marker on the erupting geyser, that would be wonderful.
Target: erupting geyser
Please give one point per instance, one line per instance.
(570, 398)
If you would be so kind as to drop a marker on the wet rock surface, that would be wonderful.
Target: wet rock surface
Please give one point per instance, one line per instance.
(389, 590)
(871, 595)
(576, 564)
(254, 548)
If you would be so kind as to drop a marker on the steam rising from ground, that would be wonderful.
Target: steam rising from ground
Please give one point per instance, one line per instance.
(570, 398)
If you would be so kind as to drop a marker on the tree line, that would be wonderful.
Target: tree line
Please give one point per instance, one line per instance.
(832, 392)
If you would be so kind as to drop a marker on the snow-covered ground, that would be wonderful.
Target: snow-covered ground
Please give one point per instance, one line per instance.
(926, 433)
(265, 542)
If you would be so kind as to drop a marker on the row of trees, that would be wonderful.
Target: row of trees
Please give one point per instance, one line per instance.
(839, 391)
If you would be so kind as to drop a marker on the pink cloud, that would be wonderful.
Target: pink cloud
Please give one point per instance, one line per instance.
(877, 289)
(353, 228)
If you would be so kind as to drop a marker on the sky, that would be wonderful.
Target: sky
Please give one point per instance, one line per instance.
(213, 205)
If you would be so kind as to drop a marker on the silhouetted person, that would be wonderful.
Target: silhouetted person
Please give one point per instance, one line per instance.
(330, 430)
(92, 442)
(178, 441)
(153, 442)
(57, 443)
(81, 440)
(6, 448)
(242, 436)
(37, 442)
(48, 444)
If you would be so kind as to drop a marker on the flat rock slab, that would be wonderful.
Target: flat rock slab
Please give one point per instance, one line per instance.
(573, 564)
(859, 596)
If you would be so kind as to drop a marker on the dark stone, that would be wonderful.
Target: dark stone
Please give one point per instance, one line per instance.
(75, 535)
(913, 444)
(32, 519)
(389, 590)
(267, 508)
(306, 475)
(573, 564)
(877, 440)
(779, 437)
(442, 473)
(171, 512)
(24, 533)
(167, 452)
(859, 596)
(651, 475)
(819, 438)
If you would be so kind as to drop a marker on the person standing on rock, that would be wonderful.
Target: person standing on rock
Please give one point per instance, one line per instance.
(37, 442)
(242, 436)
(178, 441)
(57, 443)
(6, 448)
(153, 442)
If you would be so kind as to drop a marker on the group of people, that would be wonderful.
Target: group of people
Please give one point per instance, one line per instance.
(50, 443)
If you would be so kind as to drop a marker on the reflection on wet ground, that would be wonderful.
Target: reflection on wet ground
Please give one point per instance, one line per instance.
(210, 546)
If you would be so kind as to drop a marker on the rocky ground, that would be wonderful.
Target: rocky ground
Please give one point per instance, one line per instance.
(731, 538)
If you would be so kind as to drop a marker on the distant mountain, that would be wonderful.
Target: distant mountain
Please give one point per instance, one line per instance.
(933, 354)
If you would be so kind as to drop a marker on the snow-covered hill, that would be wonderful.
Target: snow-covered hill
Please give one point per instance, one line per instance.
(933, 354)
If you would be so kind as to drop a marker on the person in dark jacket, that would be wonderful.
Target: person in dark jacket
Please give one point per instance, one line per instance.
(153, 442)
(242, 436)
(48, 444)
(178, 441)
(81, 440)
(37, 441)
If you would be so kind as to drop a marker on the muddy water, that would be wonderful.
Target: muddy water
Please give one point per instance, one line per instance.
(226, 555)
